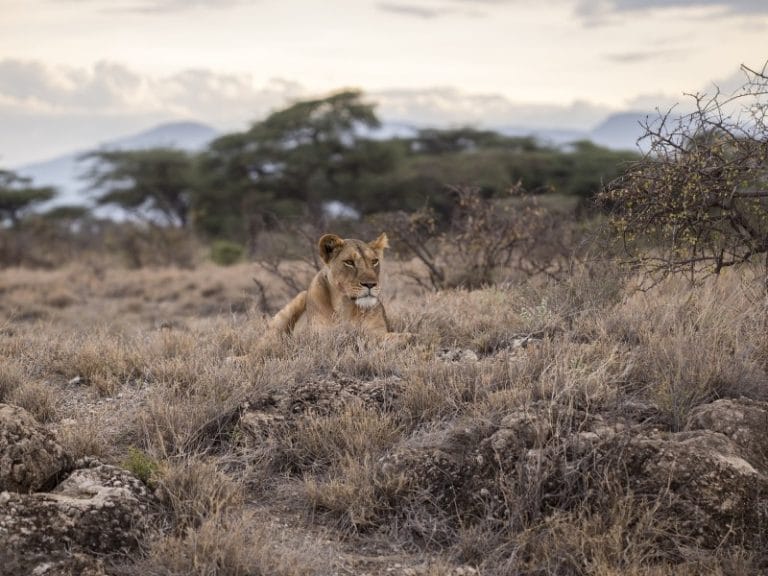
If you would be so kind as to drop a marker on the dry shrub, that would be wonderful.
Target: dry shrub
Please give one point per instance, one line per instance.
(583, 374)
(356, 432)
(342, 349)
(37, 398)
(196, 392)
(485, 240)
(61, 297)
(178, 422)
(141, 245)
(103, 360)
(354, 494)
(85, 437)
(690, 346)
(12, 376)
(618, 541)
(194, 490)
(440, 390)
(237, 546)
(594, 346)
(483, 320)
(590, 288)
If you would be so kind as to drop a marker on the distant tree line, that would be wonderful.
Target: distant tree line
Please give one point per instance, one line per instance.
(296, 160)
(292, 164)
(695, 202)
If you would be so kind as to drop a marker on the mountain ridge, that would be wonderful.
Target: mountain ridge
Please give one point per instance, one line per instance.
(65, 172)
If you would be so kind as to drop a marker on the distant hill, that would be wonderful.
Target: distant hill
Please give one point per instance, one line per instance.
(65, 172)
(189, 136)
(548, 136)
(620, 131)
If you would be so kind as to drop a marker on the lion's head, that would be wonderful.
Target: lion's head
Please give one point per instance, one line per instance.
(354, 266)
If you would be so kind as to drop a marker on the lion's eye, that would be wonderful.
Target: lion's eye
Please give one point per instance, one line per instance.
(375, 262)
(349, 263)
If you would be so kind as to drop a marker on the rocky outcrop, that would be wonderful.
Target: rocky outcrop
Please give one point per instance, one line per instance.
(74, 564)
(744, 421)
(30, 457)
(93, 508)
(700, 483)
(262, 419)
(100, 509)
(708, 485)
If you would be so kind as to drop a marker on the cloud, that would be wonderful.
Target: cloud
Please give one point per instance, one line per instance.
(109, 88)
(52, 109)
(685, 102)
(159, 6)
(450, 106)
(438, 8)
(45, 110)
(33, 85)
(640, 56)
(411, 10)
(599, 11)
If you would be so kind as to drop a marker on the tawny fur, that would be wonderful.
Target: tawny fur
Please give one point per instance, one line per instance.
(346, 290)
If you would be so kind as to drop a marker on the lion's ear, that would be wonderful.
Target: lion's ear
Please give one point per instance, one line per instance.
(329, 245)
(380, 243)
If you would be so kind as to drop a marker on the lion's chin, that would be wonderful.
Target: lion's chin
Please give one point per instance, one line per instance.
(366, 302)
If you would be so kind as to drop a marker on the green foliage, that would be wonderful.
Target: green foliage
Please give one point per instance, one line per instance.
(433, 141)
(226, 253)
(289, 164)
(491, 162)
(66, 214)
(17, 196)
(142, 466)
(152, 182)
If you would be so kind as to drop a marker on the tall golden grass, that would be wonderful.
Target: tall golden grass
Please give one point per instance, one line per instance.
(121, 360)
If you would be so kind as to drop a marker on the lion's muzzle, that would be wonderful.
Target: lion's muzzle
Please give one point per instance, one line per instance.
(366, 302)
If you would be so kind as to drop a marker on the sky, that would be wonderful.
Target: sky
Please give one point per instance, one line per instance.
(77, 72)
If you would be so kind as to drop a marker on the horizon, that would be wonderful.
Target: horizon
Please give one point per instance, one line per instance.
(77, 72)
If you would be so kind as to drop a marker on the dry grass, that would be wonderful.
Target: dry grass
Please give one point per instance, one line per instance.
(115, 359)
(234, 546)
(37, 398)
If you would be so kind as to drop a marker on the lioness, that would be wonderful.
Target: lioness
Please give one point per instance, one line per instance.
(347, 289)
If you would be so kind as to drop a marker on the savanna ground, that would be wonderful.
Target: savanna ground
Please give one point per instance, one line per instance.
(274, 466)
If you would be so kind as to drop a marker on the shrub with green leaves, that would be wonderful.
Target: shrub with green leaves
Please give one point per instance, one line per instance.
(226, 253)
(144, 467)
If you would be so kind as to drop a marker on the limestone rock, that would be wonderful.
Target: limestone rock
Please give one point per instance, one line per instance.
(264, 418)
(30, 457)
(101, 509)
(457, 355)
(744, 421)
(705, 487)
(328, 395)
(72, 565)
(702, 485)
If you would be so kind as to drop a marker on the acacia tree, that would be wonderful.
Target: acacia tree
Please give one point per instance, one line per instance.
(150, 182)
(291, 162)
(697, 202)
(17, 196)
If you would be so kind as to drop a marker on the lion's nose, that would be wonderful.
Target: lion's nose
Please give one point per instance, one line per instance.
(369, 285)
